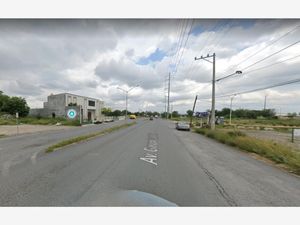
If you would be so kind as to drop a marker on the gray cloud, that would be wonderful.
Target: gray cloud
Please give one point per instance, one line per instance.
(93, 57)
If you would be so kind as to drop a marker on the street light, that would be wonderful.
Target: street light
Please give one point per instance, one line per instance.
(236, 72)
(126, 97)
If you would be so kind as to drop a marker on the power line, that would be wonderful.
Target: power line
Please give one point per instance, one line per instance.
(188, 35)
(179, 33)
(180, 41)
(260, 68)
(269, 65)
(262, 88)
(191, 68)
(269, 56)
(268, 45)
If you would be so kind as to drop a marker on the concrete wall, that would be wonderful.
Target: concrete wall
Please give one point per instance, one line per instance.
(46, 112)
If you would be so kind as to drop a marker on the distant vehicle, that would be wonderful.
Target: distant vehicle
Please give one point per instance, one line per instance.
(156, 116)
(132, 117)
(183, 126)
(151, 117)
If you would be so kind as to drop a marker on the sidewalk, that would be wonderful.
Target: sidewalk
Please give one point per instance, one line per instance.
(9, 130)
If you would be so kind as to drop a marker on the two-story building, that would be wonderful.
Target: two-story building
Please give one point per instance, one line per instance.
(58, 105)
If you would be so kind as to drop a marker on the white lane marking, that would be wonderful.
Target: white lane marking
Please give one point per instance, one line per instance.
(150, 160)
(152, 148)
(5, 168)
(33, 157)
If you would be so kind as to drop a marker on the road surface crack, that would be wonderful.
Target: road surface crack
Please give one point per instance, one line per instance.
(219, 187)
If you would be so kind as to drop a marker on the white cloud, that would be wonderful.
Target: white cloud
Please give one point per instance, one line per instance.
(94, 57)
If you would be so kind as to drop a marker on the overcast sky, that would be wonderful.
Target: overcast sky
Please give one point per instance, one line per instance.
(94, 57)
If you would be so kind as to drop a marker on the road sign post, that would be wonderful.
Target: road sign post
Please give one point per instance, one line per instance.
(17, 122)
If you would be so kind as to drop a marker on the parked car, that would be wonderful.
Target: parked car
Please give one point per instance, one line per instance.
(183, 126)
(151, 117)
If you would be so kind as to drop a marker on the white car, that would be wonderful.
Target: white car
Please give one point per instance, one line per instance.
(183, 126)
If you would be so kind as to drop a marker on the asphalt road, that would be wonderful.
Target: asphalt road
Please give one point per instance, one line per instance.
(148, 164)
(17, 149)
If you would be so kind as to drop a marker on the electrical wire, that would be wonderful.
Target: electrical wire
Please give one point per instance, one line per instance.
(188, 35)
(253, 64)
(262, 88)
(269, 56)
(180, 42)
(273, 64)
(268, 45)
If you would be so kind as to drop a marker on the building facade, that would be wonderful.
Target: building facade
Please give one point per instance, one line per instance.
(58, 105)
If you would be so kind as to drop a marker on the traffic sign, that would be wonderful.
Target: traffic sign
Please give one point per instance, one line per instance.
(71, 113)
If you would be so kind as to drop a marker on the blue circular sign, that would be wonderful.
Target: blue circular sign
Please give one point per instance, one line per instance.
(71, 113)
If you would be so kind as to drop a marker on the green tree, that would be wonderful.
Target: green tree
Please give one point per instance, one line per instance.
(16, 104)
(3, 101)
(106, 111)
(116, 113)
(175, 114)
(189, 113)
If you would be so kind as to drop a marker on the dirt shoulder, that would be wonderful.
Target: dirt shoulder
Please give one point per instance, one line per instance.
(9, 130)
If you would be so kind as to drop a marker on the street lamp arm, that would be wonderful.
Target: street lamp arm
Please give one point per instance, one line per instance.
(132, 88)
(121, 89)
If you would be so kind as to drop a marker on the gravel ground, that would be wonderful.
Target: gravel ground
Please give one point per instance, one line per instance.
(9, 130)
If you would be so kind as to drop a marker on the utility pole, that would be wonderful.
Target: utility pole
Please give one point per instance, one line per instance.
(265, 103)
(230, 109)
(126, 100)
(212, 119)
(168, 107)
(191, 120)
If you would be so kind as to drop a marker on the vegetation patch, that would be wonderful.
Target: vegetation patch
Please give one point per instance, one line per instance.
(278, 153)
(86, 137)
(2, 135)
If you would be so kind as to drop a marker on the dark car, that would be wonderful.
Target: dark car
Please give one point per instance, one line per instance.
(151, 117)
(183, 126)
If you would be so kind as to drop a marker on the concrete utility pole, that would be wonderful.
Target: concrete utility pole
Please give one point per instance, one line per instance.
(126, 97)
(168, 107)
(191, 120)
(230, 109)
(265, 103)
(212, 119)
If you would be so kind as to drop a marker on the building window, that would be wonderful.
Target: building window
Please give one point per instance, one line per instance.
(91, 103)
(69, 99)
(74, 100)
